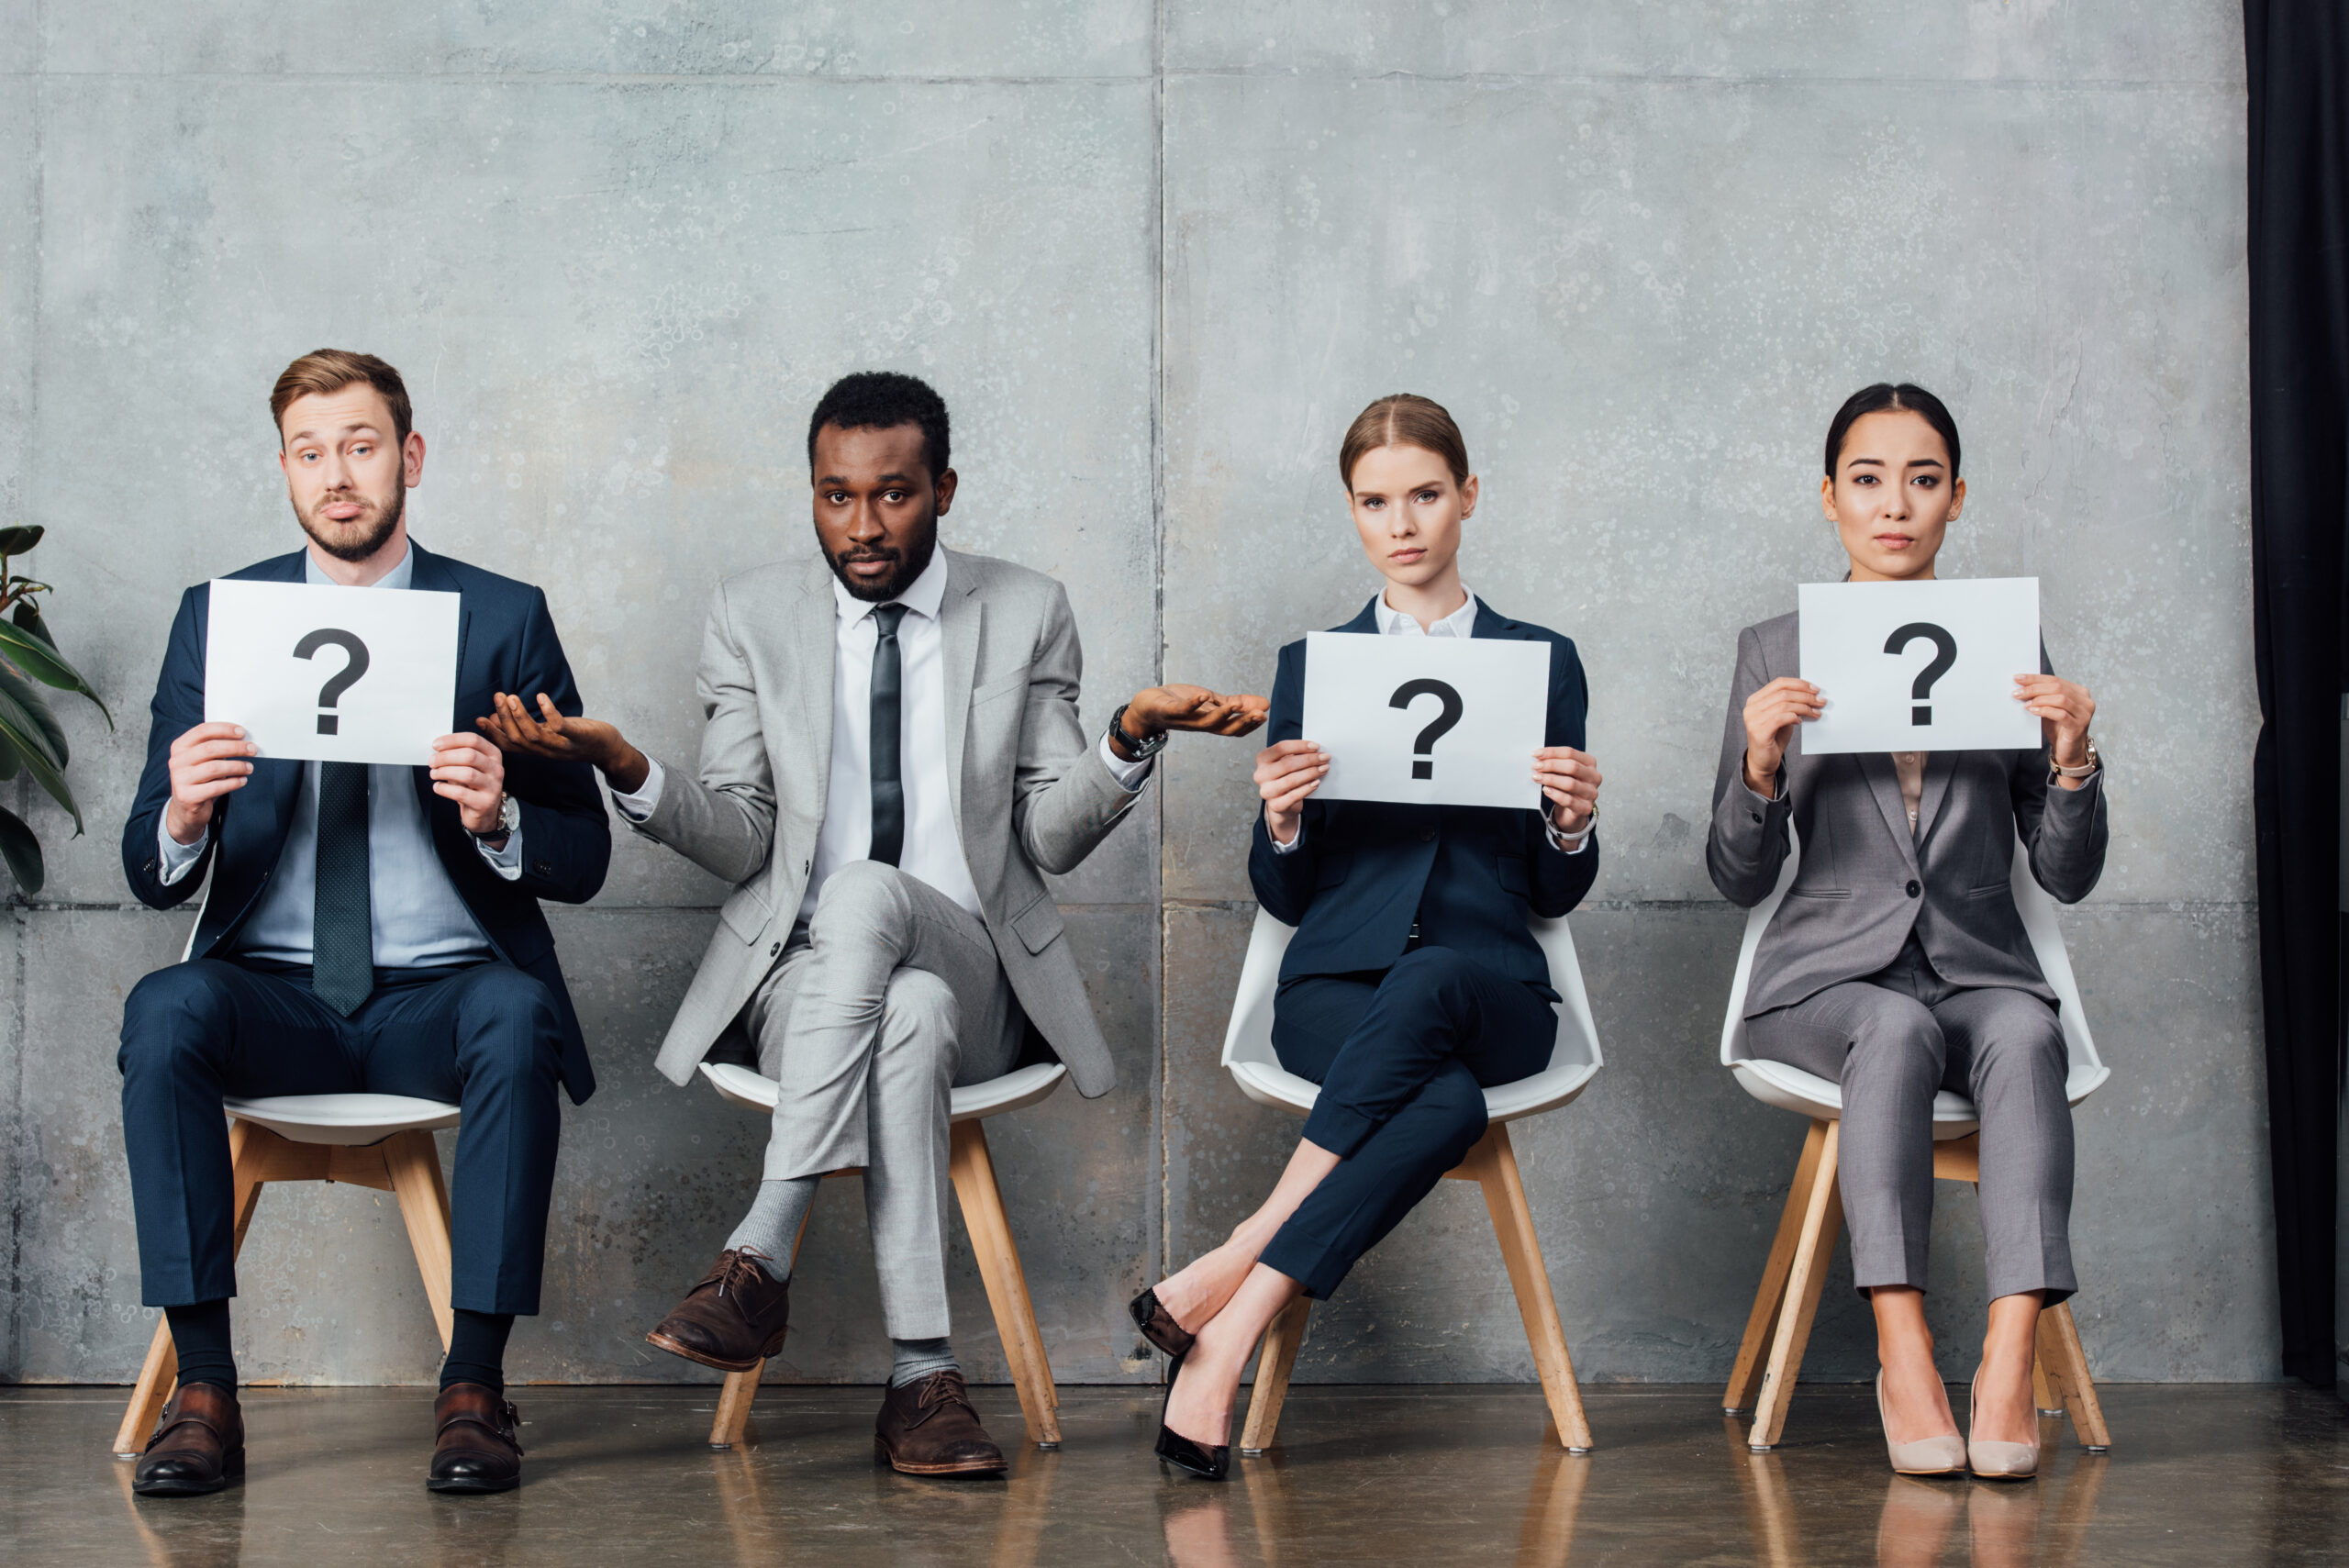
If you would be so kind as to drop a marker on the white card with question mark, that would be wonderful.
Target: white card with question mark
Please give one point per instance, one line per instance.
(1379, 704)
(1919, 666)
(334, 674)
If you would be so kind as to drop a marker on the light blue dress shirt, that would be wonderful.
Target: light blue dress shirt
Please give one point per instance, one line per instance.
(418, 920)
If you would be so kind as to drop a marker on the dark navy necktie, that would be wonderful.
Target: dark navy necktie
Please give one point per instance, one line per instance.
(342, 938)
(882, 743)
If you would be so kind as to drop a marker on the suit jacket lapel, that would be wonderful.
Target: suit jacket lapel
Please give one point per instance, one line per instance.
(815, 635)
(962, 616)
(1939, 768)
(1885, 784)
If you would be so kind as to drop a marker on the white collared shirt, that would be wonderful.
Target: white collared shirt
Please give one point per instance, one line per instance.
(932, 849)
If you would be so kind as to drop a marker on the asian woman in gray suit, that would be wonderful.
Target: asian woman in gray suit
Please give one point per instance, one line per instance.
(1898, 964)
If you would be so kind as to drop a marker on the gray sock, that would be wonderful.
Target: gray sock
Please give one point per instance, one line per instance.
(772, 1225)
(916, 1359)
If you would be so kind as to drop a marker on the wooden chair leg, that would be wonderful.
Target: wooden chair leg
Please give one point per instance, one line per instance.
(2043, 1396)
(1275, 1361)
(1745, 1376)
(1494, 1163)
(1822, 1217)
(999, 1256)
(413, 1166)
(2066, 1361)
(158, 1375)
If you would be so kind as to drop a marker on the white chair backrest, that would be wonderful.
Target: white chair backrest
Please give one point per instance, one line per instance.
(2038, 911)
(1249, 1037)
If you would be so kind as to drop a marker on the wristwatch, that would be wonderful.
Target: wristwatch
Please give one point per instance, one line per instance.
(2056, 770)
(1142, 751)
(509, 820)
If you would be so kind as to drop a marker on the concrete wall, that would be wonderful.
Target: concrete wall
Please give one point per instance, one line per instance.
(1155, 257)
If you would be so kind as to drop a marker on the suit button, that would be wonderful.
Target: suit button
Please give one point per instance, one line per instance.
(1757, 816)
(1913, 888)
(773, 949)
(1427, 835)
(544, 868)
(807, 866)
(151, 865)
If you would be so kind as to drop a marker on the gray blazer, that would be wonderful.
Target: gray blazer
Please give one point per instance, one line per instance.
(1864, 883)
(1032, 793)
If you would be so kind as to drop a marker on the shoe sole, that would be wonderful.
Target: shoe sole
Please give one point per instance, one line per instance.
(881, 1455)
(460, 1488)
(231, 1474)
(678, 1348)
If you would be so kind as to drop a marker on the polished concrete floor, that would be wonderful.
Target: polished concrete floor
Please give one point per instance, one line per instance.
(2196, 1475)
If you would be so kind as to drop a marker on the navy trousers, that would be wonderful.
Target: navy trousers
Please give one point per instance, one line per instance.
(1403, 1057)
(485, 1036)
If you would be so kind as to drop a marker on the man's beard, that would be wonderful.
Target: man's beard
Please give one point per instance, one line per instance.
(358, 546)
(908, 565)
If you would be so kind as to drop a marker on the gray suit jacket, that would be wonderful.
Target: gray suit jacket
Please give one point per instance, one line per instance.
(1030, 793)
(1864, 883)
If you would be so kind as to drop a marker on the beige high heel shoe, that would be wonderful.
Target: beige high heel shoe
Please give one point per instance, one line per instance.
(1994, 1461)
(1927, 1456)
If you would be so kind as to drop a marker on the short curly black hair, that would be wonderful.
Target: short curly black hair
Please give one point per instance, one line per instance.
(875, 400)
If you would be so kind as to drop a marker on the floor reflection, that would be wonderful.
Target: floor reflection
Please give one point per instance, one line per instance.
(186, 1532)
(2008, 1524)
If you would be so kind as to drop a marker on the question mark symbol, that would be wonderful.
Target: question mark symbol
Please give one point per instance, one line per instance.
(1423, 762)
(348, 677)
(1923, 685)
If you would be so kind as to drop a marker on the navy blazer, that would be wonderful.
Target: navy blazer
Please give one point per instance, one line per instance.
(506, 642)
(1365, 870)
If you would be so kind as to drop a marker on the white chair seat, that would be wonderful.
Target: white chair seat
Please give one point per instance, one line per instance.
(1545, 1091)
(1019, 1087)
(347, 1119)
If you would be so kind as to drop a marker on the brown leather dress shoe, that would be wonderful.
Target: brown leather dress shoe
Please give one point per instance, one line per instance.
(927, 1428)
(733, 1319)
(473, 1448)
(198, 1446)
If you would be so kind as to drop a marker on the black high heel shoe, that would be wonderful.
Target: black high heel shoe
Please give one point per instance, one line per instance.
(1174, 1449)
(1158, 1325)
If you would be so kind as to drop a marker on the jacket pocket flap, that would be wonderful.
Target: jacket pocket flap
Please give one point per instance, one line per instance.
(746, 914)
(1037, 926)
(1512, 872)
(1016, 680)
(1332, 870)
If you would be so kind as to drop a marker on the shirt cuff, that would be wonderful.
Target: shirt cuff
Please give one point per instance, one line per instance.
(179, 858)
(507, 862)
(636, 804)
(1129, 776)
(1291, 846)
(1563, 843)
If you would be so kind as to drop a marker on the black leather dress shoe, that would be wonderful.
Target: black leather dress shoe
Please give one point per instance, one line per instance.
(473, 1448)
(1158, 1325)
(198, 1446)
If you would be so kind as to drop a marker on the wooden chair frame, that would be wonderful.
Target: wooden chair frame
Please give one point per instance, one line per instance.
(972, 1168)
(1796, 1274)
(1491, 1164)
(405, 1164)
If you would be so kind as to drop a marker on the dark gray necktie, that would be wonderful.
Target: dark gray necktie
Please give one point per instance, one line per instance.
(342, 941)
(888, 781)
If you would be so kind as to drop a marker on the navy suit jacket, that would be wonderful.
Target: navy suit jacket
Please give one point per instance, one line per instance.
(1365, 870)
(506, 642)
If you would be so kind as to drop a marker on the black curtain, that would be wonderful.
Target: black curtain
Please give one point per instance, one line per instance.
(2298, 56)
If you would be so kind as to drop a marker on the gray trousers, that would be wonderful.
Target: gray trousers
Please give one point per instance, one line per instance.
(1892, 1040)
(882, 1003)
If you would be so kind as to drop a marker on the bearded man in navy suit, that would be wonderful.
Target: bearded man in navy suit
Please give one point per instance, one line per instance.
(367, 929)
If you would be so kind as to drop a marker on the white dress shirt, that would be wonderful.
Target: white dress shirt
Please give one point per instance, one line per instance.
(417, 919)
(933, 850)
(1461, 622)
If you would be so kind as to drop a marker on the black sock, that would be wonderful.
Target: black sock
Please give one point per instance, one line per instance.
(477, 1350)
(200, 1335)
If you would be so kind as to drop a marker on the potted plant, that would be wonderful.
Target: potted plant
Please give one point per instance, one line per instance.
(31, 741)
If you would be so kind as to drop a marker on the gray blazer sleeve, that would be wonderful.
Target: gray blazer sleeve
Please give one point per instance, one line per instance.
(1065, 798)
(1746, 845)
(724, 820)
(2064, 830)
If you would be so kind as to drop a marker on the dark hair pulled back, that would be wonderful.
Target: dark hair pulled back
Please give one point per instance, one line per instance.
(1885, 397)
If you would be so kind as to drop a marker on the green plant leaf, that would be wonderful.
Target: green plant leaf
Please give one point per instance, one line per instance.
(38, 657)
(28, 617)
(12, 762)
(17, 540)
(21, 850)
(26, 723)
